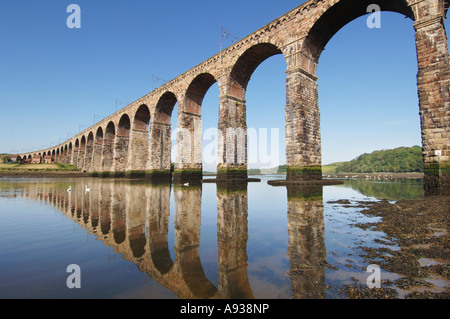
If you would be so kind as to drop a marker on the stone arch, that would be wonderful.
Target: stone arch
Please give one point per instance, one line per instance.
(232, 140)
(82, 152)
(142, 118)
(108, 148)
(67, 153)
(433, 66)
(339, 15)
(124, 126)
(188, 165)
(196, 92)
(246, 64)
(139, 142)
(99, 135)
(97, 151)
(164, 108)
(89, 152)
(121, 145)
(159, 163)
(90, 139)
(76, 148)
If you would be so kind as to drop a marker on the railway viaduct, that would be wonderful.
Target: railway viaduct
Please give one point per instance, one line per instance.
(136, 140)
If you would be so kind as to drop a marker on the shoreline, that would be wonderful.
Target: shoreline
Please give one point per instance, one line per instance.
(41, 174)
(63, 173)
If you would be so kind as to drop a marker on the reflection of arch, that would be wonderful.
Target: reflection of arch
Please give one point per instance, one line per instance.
(105, 208)
(136, 218)
(307, 251)
(118, 211)
(232, 237)
(158, 204)
(187, 241)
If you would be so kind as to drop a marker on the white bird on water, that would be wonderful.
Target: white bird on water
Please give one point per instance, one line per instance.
(187, 184)
(69, 189)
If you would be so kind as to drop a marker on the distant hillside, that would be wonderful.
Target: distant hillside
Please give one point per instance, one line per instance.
(331, 168)
(399, 160)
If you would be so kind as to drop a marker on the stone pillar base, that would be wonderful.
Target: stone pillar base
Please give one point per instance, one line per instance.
(187, 175)
(436, 180)
(117, 174)
(159, 175)
(104, 174)
(231, 173)
(309, 173)
(135, 174)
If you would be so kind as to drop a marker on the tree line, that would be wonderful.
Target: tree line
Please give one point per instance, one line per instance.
(399, 160)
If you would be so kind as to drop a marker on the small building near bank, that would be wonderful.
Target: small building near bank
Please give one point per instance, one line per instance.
(36, 159)
(48, 159)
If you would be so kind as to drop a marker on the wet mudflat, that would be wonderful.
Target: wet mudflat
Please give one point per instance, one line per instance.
(418, 229)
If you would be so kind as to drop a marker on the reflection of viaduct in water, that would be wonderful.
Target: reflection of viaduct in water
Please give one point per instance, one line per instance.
(133, 218)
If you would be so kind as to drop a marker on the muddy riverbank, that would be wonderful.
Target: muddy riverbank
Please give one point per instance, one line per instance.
(41, 174)
(416, 247)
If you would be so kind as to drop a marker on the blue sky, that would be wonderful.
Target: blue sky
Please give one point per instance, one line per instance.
(54, 81)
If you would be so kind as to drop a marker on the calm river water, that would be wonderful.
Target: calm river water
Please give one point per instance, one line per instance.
(132, 239)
